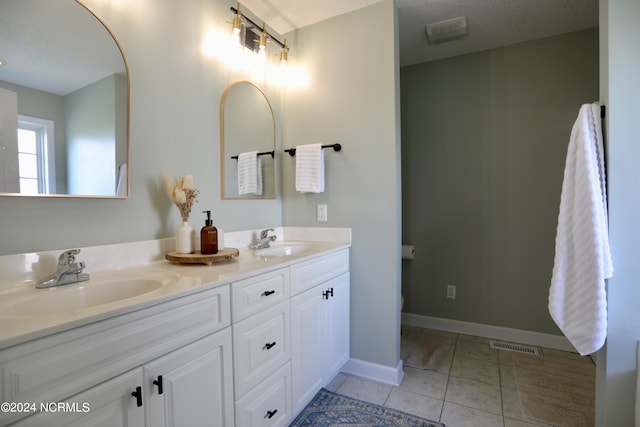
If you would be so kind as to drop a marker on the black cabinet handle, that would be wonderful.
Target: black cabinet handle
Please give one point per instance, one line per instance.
(158, 382)
(269, 345)
(330, 292)
(267, 293)
(325, 295)
(138, 395)
(270, 414)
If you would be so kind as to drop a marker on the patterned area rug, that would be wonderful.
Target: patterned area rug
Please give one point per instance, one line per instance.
(328, 409)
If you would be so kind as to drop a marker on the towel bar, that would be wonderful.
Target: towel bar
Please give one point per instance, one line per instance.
(264, 153)
(336, 147)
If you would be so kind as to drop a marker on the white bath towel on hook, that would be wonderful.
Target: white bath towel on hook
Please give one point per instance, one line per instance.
(577, 296)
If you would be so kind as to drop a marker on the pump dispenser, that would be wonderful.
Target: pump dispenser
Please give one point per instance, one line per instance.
(208, 236)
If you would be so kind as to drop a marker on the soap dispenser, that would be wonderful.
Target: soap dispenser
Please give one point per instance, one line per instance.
(208, 236)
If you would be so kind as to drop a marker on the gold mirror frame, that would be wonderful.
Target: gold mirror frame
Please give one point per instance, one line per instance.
(227, 148)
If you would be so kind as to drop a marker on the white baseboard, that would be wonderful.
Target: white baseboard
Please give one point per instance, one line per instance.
(557, 342)
(373, 371)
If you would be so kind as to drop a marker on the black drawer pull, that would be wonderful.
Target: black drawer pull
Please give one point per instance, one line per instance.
(268, 346)
(138, 395)
(270, 414)
(267, 293)
(158, 382)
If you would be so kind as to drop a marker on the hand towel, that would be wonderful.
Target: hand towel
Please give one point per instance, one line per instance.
(249, 173)
(577, 296)
(309, 168)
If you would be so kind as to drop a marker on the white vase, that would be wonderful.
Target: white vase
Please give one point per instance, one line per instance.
(185, 239)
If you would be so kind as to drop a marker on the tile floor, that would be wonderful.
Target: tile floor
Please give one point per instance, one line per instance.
(463, 382)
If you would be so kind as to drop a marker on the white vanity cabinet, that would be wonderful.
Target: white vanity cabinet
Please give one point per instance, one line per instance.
(319, 323)
(110, 372)
(248, 353)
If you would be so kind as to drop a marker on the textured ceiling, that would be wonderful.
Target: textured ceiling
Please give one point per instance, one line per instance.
(491, 23)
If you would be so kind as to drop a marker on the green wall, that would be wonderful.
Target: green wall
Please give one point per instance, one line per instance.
(353, 100)
(484, 139)
(90, 121)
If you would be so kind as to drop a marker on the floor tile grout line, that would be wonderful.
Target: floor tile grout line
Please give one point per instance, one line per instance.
(504, 423)
(444, 397)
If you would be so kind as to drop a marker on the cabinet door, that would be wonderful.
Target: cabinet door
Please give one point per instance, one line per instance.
(109, 404)
(192, 386)
(308, 348)
(337, 324)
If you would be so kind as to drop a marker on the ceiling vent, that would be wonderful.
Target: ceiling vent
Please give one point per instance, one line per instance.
(450, 29)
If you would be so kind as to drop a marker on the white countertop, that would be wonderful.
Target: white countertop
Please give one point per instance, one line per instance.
(181, 280)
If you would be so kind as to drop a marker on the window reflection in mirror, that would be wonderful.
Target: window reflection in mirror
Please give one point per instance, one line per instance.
(65, 85)
(246, 124)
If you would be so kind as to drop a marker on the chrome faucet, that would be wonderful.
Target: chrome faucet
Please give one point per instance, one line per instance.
(69, 271)
(264, 240)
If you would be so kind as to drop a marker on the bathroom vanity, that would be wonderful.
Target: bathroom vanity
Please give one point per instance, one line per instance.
(244, 343)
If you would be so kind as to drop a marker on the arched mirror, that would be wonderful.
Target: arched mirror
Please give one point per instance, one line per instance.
(64, 102)
(246, 126)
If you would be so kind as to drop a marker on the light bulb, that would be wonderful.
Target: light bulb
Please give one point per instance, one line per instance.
(284, 54)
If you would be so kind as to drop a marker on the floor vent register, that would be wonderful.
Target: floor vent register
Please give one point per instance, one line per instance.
(518, 348)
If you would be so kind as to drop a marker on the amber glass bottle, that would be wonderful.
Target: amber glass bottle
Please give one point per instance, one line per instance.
(208, 237)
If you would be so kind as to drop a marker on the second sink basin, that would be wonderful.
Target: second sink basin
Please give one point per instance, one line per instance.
(31, 302)
(284, 249)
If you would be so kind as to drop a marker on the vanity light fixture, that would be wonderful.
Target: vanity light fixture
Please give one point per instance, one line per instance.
(284, 54)
(264, 37)
(262, 45)
(238, 32)
(237, 21)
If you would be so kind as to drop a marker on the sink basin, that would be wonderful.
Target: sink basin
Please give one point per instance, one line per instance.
(94, 292)
(284, 249)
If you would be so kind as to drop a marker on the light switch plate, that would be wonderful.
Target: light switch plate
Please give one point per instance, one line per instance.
(322, 213)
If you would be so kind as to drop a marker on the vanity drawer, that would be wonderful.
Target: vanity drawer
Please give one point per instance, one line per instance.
(255, 294)
(307, 274)
(261, 344)
(63, 364)
(268, 404)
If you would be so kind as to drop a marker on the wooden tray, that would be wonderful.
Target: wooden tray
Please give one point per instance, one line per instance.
(227, 254)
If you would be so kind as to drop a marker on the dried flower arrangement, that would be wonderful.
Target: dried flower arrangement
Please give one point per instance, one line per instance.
(182, 193)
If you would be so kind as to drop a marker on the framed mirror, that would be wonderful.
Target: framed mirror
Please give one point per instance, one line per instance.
(64, 102)
(247, 125)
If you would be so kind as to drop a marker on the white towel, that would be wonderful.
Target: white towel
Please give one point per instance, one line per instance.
(309, 168)
(249, 173)
(577, 296)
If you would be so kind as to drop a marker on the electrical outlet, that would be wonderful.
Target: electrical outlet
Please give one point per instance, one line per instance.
(451, 291)
(322, 212)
